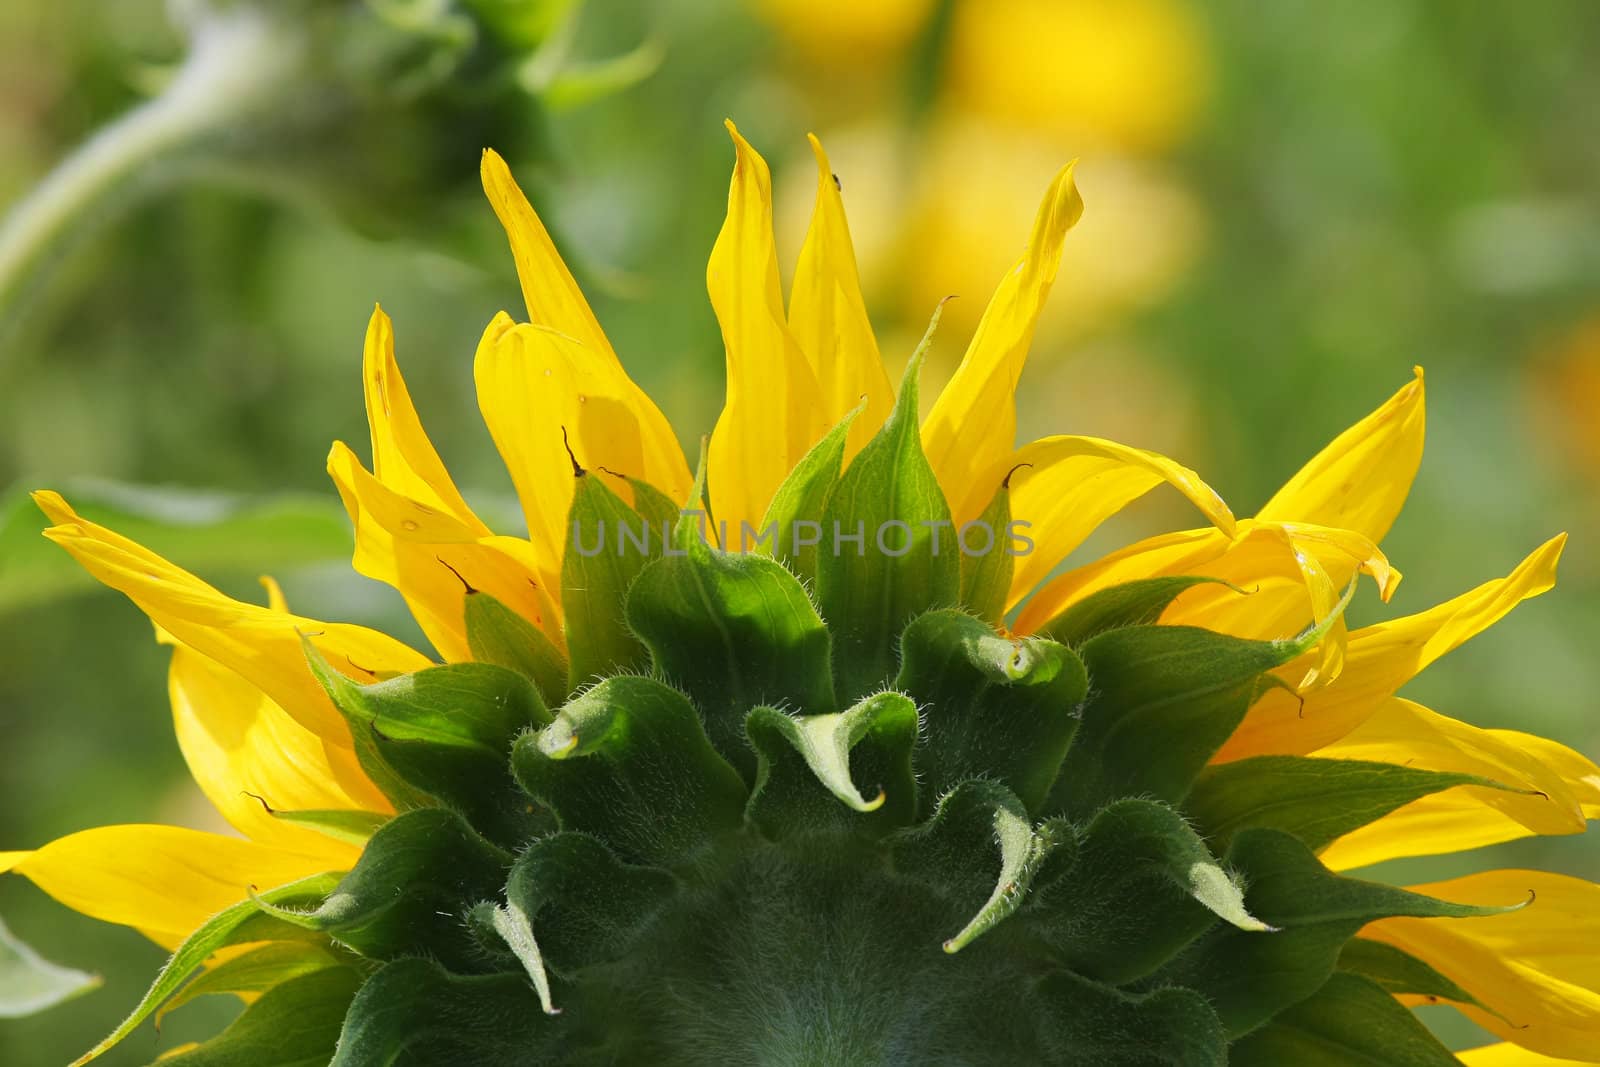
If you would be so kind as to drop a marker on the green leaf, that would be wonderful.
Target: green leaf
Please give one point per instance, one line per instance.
(29, 983)
(411, 889)
(1002, 707)
(1162, 701)
(1348, 1022)
(445, 731)
(254, 972)
(343, 692)
(608, 545)
(211, 532)
(413, 1011)
(498, 635)
(733, 631)
(1090, 1023)
(954, 851)
(588, 905)
(1136, 603)
(809, 766)
(1399, 971)
(1316, 800)
(1141, 886)
(803, 497)
(351, 827)
(1251, 977)
(907, 562)
(241, 924)
(295, 1024)
(986, 575)
(629, 762)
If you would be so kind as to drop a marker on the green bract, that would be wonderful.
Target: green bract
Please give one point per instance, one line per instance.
(746, 824)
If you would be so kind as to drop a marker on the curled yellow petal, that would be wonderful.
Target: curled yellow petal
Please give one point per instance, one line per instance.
(1361, 480)
(829, 318)
(163, 880)
(1534, 969)
(774, 411)
(552, 295)
(1548, 786)
(432, 558)
(542, 394)
(1379, 659)
(246, 754)
(260, 644)
(973, 424)
(402, 456)
(1065, 487)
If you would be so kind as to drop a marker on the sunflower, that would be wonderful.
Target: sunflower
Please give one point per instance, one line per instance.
(885, 784)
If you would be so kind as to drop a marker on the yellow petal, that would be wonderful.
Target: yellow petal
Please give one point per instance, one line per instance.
(1182, 552)
(1552, 784)
(973, 425)
(1360, 481)
(1064, 487)
(247, 755)
(402, 456)
(829, 318)
(541, 394)
(773, 412)
(1379, 660)
(1535, 969)
(163, 880)
(262, 645)
(432, 558)
(553, 297)
(1506, 1054)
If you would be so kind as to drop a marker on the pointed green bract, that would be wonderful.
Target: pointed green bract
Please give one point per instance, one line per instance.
(1096, 1024)
(1399, 972)
(988, 564)
(1316, 800)
(293, 1024)
(608, 544)
(1136, 603)
(586, 904)
(733, 631)
(1249, 978)
(996, 706)
(498, 635)
(1163, 700)
(813, 768)
(797, 507)
(629, 762)
(445, 867)
(906, 560)
(255, 971)
(1349, 1021)
(351, 827)
(445, 732)
(241, 924)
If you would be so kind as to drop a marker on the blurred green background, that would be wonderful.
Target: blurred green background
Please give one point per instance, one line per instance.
(1288, 206)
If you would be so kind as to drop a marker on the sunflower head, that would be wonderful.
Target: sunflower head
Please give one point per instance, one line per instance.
(820, 755)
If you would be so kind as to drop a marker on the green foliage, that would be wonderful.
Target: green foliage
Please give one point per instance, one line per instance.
(1398, 971)
(30, 983)
(986, 574)
(1136, 603)
(294, 1024)
(609, 543)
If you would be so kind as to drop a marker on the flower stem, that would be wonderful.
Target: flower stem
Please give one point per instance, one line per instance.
(234, 64)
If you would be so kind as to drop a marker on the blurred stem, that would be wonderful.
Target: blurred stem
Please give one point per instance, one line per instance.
(236, 61)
